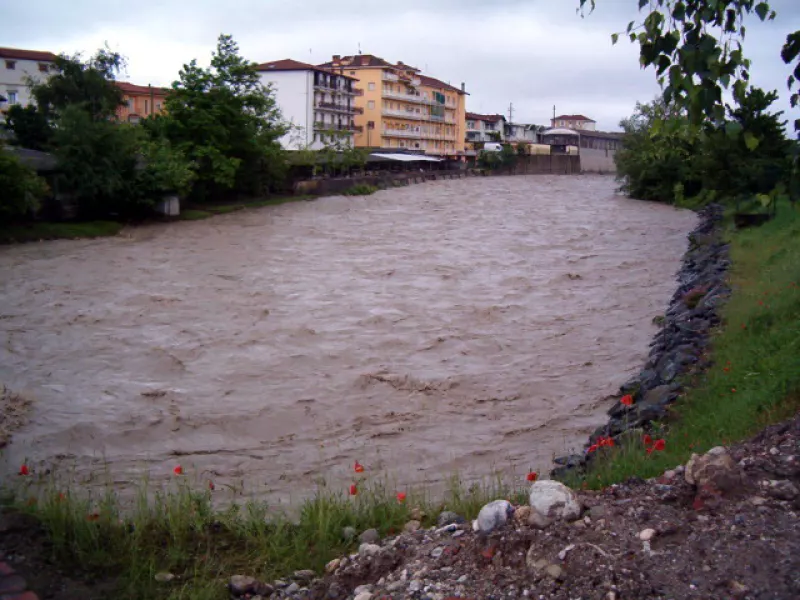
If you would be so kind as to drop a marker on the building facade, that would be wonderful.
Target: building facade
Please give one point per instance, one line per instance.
(573, 122)
(519, 133)
(16, 66)
(140, 101)
(404, 109)
(483, 128)
(318, 104)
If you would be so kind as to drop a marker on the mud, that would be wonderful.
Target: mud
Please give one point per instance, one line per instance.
(467, 325)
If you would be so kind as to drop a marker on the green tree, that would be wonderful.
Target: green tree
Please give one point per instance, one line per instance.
(30, 127)
(89, 85)
(655, 161)
(227, 123)
(21, 188)
(98, 161)
(696, 49)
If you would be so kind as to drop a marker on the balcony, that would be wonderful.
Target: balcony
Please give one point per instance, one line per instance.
(403, 114)
(406, 97)
(336, 128)
(337, 107)
(358, 110)
(387, 76)
(356, 92)
(404, 133)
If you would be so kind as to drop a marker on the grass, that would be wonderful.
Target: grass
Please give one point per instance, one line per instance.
(204, 211)
(360, 189)
(33, 232)
(755, 379)
(177, 530)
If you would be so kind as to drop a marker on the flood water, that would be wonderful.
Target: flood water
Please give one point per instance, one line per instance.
(470, 325)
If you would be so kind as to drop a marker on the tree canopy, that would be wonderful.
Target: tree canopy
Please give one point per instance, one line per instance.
(696, 47)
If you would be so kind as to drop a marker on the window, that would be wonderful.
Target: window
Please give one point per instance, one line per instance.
(130, 103)
(12, 97)
(371, 104)
(158, 105)
(352, 72)
(44, 67)
(11, 65)
(371, 86)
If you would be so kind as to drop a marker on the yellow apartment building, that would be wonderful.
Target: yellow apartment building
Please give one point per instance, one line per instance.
(404, 109)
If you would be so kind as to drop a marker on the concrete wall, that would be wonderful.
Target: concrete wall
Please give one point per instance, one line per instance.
(327, 187)
(594, 160)
(15, 80)
(539, 164)
(294, 94)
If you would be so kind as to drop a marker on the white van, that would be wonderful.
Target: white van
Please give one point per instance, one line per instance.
(492, 147)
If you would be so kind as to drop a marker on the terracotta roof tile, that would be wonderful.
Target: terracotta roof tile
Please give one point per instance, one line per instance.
(574, 118)
(132, 88)
(18, 54)
(489, 118)
(433, 82)
(288, 64)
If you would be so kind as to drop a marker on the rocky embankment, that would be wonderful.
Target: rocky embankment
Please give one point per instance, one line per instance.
(725, 525)
(679, 348)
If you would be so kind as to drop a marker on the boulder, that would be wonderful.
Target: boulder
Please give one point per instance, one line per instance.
(493, 516)
(715, 469)
(554, 500)
(370, 536)
(447, 517)
(241, 585)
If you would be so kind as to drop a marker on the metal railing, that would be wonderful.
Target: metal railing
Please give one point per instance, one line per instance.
(336, 106)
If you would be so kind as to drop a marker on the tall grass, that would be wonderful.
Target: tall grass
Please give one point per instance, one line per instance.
(755, 379)
(178, 530)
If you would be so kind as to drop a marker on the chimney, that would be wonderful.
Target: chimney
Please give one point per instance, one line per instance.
(337, 58)
(463, 87)
(399, 63)
(364, 61)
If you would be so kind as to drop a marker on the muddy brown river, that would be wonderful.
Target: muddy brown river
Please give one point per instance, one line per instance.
(466, 326)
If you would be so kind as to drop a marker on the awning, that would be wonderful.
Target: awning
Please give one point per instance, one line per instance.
(404, 157)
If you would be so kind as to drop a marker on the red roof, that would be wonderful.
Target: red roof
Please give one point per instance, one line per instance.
(574, 118)
(288, 64)
(132, 88)
(433, 82)
(362, 61)
(16, 53)
(489, 118)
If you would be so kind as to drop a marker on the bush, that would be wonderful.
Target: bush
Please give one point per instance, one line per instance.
(360, 189)
(20, 188)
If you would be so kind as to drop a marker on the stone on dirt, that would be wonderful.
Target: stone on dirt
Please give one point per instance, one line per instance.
(368, 549)
(242, 584)
(715, 469)
(447, 517)
(554, 500)
(164, 577)
(370, 536)
(493, 516)
(412, 526)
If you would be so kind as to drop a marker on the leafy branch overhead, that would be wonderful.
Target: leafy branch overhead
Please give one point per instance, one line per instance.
(696, 47)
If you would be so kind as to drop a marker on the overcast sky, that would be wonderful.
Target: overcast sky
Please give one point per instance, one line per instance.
(532, 53)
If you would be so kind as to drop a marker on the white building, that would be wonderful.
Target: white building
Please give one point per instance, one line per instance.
(16, 66)
(317, 103)
(519, 133)
(576, 122)
(485, 128)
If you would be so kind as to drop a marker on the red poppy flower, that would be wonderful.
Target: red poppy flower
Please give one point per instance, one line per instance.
(744, 326)
(358, 467)
(178, 470)
(211, 485)
(648, 441)
(532, 475)
(353, 490)
(608, 442)
(726, 369)
(733, 390)
(401, 497)
(592, 448)
(659, 445)
(92, 517)
(60, 497)
(627, 400)
(23, 470)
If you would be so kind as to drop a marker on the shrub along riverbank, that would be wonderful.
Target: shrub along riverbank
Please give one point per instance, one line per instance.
(177, 534)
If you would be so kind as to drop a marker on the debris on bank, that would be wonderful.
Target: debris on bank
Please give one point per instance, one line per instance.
(725, 525)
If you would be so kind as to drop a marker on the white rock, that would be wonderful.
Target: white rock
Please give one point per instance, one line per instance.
(493, 516)
(368, 549)
(362, 588)
(774, 451)
(554, 500)
(164, 577)
(364, 596)
(647, 534)
(563, 554)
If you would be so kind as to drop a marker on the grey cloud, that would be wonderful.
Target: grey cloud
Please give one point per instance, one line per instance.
(534, 53)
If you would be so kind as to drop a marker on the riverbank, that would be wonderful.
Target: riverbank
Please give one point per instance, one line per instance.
(753, 381)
